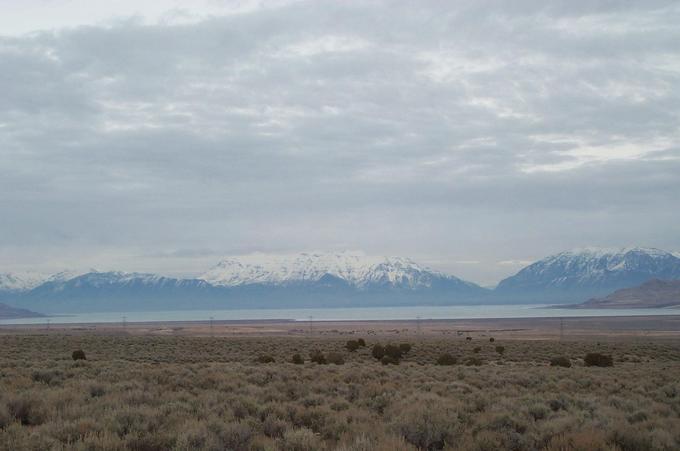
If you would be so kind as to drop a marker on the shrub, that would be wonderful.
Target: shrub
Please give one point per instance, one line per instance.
(297, 359)
(393, 351)
(27, 409)
(265, 358)
(405, 348)
(49, 377)
(477, 349)
(361, 342)
(352, 345)
(500, 349)
(318, 357)
(564, 362)
(78, 355)
(97, 390)
(388, 360)
(597, 359)
(473, 361)
(273, 426)
(428, 426)
(335, 358)
(378, 351)
(5, 417)
(446, 359)
(468, 338)
(301, 439)
(236, 436)
(491, 340)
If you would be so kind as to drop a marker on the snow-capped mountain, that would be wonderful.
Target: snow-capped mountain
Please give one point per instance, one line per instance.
(15, 282)
(583, 273)
(357, 270)
(25, 281)
(257, 281)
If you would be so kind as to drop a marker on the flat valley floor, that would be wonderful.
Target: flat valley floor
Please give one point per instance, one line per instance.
(202, 386)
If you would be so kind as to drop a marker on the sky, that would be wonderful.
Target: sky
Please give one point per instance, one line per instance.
(471, 136)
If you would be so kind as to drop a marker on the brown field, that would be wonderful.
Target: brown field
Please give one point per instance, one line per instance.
(187, 386)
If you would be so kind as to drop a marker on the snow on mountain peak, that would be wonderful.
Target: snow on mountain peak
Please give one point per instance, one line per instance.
(595, 267)
(23, 281)
(357, 269)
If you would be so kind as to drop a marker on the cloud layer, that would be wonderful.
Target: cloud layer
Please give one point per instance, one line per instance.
(483, 132)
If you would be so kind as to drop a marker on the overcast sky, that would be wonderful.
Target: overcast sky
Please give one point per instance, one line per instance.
(471, 136)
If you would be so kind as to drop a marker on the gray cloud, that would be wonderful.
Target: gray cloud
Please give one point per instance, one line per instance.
(480, 132)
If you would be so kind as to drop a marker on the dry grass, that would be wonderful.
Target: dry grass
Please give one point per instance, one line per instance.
(189, 393)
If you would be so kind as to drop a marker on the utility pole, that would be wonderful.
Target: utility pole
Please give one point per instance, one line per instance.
(561, 329)
(310, 325)
(48, 324)
(418, 325)
(124, 322)
(211, 326)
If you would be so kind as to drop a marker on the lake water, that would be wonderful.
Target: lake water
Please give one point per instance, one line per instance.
(347, 314)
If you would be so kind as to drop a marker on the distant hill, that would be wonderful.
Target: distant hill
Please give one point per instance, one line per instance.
(7, 312)
(651, 294)
(578, 275)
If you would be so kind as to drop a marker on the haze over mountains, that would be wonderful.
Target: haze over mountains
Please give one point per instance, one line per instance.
(337, 280)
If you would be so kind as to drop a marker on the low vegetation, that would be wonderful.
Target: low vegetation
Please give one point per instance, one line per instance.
(597, 359)
(260, 393)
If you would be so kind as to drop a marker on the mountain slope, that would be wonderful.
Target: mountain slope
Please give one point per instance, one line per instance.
(7, 312)
(114, 291)
(357, 270)
(15, 282)
(578, 275)
(299, 281)
(654, 293)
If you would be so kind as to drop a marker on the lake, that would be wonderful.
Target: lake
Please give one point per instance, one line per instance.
(343, 314)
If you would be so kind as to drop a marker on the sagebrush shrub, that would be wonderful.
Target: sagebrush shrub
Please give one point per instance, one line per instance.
(378, 351)
(446, 359)
(473, 361)
(389, 360)
(318, 357)
(297, 359)
(500, 349)
(27, 409)
(428, 425)
(265, 358)
(361, 342)
(352, 345)
(78, 355)
(564, 362)
(393, 351)
(301, 439)
(335, 358)
(597, 359)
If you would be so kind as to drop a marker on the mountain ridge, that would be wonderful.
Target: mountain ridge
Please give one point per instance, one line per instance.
(654, 293)
(343, 279)
(579, 274)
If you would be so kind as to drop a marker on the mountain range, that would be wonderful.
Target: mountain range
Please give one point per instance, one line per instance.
(336, 280)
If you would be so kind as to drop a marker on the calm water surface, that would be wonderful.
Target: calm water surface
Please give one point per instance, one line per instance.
(340, 314)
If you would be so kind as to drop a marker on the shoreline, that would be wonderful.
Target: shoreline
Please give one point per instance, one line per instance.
(667, 326)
